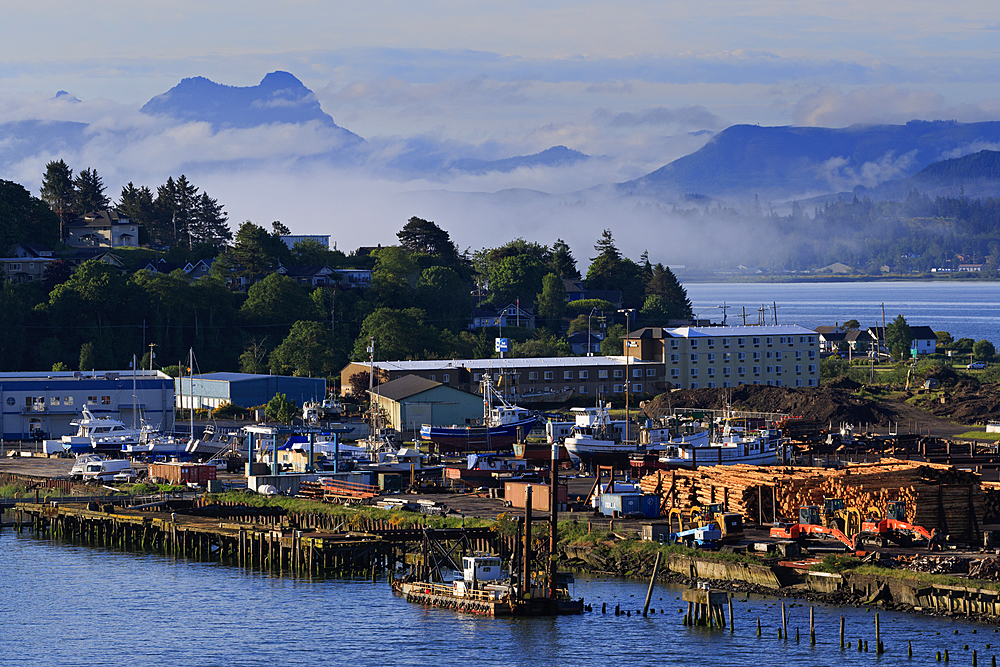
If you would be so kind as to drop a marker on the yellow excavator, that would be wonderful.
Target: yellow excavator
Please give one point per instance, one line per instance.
(729, 523)
(845, 519)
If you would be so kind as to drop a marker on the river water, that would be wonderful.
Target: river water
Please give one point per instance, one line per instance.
(964, 309)
(63, 604)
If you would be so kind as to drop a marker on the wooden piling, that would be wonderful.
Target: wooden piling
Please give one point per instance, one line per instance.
(812, 627)
(652, 581)
(841, 631)
(732, 626)
(784, 620)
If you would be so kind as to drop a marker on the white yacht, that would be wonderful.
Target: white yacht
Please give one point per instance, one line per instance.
(99, 434)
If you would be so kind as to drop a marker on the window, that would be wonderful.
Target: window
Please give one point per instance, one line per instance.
(711, 342)
(770, 369)
(812, 339)
(798, 368)
(812, 382)
(777, 369)
(798, 383)
(742, 356)
(812, 354)
(567, 375)
(584, 389)
(727, 384)
(532, 375)
(675, 358)
(812, 368)
(694, 357)
(770, 355)
(741, 341)
(602, 375)
(651, 372)
(675, 344)
(91, 400)
(711, 372)
(675, 372)
(756, 340)
(619, 373)
(637, 372)
(777, 355)
(798, 354)
(756, 370)
(433, 377)
(725, 342)
(446, 378)
(67, 400)
(781, 341)
(637, 388)
(694, 372)
(756, 356)
(694, 385)
(727, 357)
(602, 389)
(15, 267)
(584, 375)
(616, 388)
(54, 400)
(711, 385)
(549, 375)
(777, 383)
(742, 370)
(711, 358)
(770, 340)
(725, 370)
(105, 400)
(694, 343)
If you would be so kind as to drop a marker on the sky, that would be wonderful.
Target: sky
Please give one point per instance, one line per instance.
(633, 84)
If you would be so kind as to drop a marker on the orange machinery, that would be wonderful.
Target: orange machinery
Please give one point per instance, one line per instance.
(810, 524)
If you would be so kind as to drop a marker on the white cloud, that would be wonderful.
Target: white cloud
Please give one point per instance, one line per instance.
(842, 175)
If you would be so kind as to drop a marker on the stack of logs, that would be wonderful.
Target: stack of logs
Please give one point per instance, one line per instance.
(991, 493)
(936, 496)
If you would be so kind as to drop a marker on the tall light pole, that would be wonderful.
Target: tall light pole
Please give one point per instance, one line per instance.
(628, 378)
(590, 346)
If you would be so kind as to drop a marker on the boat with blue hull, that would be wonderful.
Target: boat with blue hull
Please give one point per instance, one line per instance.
(503, 425)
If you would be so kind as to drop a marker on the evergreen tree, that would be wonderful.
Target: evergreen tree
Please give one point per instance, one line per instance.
(209, 224)
(58, 191)
(425, 237)
(664, 283)
(278, 228)
(610, 271)
(898, 338)
(552, 301)
(563, 262)
(90, 195)
(136, 204)
(176, 211)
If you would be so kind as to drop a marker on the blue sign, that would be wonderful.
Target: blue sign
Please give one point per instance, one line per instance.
(503, 344)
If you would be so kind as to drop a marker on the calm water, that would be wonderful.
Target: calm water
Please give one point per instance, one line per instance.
(72, 605)
(966, 310)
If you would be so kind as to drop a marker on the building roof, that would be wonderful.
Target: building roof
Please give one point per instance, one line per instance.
(916, 333)
(76, 375)
(406, 386)
(99, 219)
(758, 330)
(479, 365)
(648, 332)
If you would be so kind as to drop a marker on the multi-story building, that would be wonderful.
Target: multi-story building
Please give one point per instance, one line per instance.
(710, 357)
(587, 376)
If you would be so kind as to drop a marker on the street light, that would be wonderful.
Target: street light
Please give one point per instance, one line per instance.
(590, 346)
(628, 378)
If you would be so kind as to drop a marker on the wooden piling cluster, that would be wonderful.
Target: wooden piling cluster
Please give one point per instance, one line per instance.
(937, 496)
(705, 607)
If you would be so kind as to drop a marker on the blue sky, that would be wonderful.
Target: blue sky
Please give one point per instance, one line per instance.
(636, 83)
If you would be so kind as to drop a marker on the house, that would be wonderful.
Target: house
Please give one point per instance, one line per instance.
(322, 239)
(313, 275)
(31, 250)
(80, 256)
(511, 315)
(575, 291)
(971, 267)
(201, 268)
(101, 229)
(24, 269)
(922, 339)
(355, 278)
(163, 266)
(578, 342)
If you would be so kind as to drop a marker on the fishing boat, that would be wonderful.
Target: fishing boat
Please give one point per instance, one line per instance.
(503, 425)
(734, 442)
(314, 412)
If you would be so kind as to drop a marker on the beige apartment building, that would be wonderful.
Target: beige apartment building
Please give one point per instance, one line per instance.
(700, 357)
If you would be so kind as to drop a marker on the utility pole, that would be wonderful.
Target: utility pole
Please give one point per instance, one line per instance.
(151, 353)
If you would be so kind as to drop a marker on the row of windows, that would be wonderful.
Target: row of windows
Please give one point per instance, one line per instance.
(742, 341)
(741, 370)
(775, 383)
(741, 356)
(38, 402)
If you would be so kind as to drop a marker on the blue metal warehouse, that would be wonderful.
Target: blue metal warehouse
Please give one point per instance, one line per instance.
(48, 401)
(245, 390)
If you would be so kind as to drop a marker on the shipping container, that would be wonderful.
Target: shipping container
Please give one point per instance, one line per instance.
(514, 493)
(390, 481)
(183, 473)
(630, 504)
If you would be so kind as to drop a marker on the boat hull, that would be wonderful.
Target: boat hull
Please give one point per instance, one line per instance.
(420, 592)
(468, 439)
(593, 453)
(539, 452)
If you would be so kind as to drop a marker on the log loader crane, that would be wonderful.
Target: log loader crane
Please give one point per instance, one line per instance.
(810, 524)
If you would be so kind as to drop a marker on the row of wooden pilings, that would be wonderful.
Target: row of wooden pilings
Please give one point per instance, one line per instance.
(258, 547)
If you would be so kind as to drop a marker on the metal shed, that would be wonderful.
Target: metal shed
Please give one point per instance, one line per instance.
(246, 390)
(412, 401)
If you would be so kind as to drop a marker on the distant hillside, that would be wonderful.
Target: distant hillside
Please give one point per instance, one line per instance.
(974, 176)
(557, 156)
(788, 161)
(24, 139)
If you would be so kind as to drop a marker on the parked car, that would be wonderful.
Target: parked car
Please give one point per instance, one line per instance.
(977, 365)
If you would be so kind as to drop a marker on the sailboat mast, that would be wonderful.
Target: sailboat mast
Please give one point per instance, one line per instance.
(135, 408)
(190, 376)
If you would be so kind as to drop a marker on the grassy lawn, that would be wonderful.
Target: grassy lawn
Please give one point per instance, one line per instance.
(979, 435)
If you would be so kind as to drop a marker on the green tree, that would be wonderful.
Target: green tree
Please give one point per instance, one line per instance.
(90, 192)
(898, 338)
(543, 344)
(306, 351)
(275, 303)
(612, 345)
(58, 191)
(610, 271)
(208, 225)
(580, 323)
(851, 325)
(552, 301)
(425, 237)
(513, 270)
(944, 339)
(87, 357)
(60, 367)
(663, 283)
(136, 204)
(13, 337)
(444, 296)
(563, 263)
(983, 350)
(24, 218)
(254, 357)
(398, 334)
(280, 409)
(312, 252)
(255, 254)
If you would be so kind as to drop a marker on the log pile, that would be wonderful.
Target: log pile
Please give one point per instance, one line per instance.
(936, 496)
(991, 493)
